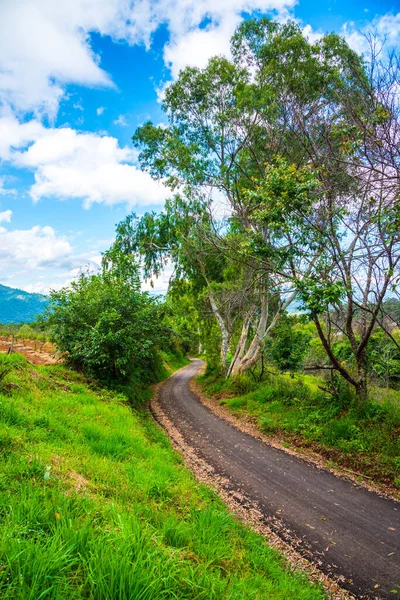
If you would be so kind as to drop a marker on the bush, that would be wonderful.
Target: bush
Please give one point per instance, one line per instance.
(288, 344)
(243, 384)
(106, 326)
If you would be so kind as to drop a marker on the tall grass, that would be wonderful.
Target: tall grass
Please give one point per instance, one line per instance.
(95, 504)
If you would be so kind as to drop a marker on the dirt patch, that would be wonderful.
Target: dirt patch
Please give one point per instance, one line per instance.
(80, 483)
(34, 352)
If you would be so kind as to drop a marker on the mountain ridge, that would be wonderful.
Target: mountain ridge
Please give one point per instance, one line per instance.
(18, 306)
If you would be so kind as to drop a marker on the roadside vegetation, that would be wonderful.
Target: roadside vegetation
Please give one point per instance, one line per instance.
(283, 164)
(96, 504)
(287, 396)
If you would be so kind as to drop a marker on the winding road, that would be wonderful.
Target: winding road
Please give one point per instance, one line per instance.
(347, 530)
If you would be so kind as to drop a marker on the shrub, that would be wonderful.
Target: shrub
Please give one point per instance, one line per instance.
(106, 326)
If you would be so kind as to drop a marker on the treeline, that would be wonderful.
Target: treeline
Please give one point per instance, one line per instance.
(283, 165)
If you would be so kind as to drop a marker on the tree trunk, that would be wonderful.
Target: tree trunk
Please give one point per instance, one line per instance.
(11, 348)
(362, 382)
(254, 350)
(241, 345)
(224, 332)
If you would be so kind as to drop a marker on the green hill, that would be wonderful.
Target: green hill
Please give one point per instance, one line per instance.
(17, 306)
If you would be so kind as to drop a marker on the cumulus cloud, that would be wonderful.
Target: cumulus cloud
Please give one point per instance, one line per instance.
(39, 259)
(385, 27)
(46, 45)
(197, 46)
(32, 248)
(5, 216)
(203, 29)
(311, 34)
(100, 110)
(70, 164)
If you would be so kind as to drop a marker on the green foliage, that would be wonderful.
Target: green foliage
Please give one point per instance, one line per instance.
(182, 315)
(95, 504)
(384, 358)
(106, 326)
(8, 364)
(288, 344)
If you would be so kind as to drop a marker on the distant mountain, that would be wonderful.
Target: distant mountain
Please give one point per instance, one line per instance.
(17, 306)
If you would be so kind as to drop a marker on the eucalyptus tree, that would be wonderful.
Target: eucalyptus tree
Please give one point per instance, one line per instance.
(222, 129)
(344, 244)
(183, 235)
(301, 141)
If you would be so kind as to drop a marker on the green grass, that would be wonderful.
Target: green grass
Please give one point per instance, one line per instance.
(95, 504)
(173, 362)
(297, 409)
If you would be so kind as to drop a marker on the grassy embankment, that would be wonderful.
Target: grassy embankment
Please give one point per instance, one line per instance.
(96, 504)
(297, 410)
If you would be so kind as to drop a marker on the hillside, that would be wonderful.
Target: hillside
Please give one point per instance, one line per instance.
(97, 505)
(17, 306)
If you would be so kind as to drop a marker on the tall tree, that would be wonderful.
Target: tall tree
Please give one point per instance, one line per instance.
(184, 235)
(343, 246)
(302, 141)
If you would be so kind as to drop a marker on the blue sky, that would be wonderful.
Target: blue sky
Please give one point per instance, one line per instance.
(76, 79)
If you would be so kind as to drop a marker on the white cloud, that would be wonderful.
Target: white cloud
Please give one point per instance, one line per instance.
(192, 43)
(197, 46)
(5, 216)
(40, 259)
(69, 164)
(45, 45)
(121, 121)
(312, 35)
(100, 110)
(14, 134)
(385, 27)
(32, 248)
(6, 191)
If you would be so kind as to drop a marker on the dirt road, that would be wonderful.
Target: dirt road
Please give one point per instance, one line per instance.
(348, 531)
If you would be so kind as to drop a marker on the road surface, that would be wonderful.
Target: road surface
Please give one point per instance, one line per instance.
(348, 530)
